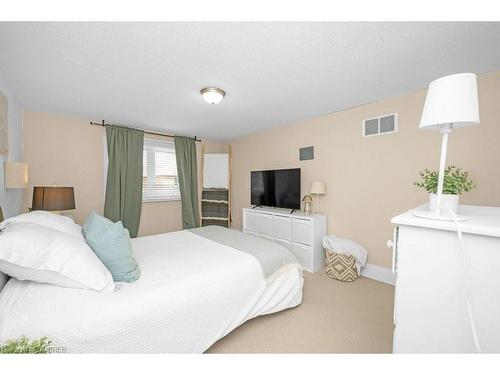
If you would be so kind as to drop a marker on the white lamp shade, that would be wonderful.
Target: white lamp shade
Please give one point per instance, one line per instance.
(318, 188)
(451, 100)
(16, 175)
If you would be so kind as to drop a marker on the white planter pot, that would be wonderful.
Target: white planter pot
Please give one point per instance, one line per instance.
(448, 201)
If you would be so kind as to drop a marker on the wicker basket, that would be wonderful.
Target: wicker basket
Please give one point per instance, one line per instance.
(340, 266)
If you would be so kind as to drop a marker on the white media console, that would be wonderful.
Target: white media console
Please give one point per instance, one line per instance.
(299, 233)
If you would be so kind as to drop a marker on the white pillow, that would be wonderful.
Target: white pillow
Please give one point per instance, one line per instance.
(63, 223)
(45, 255)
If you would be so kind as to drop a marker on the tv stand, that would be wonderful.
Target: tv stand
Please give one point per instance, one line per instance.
(257, 205)
(301, 234)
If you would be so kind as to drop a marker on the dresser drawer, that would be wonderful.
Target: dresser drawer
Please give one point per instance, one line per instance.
(302, 231)
(283, 227)
(304, 255)
(264, 224)
(286, 244)
(250, 221)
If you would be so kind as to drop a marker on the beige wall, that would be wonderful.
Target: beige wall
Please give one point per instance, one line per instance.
(69, 151)
(369, 180)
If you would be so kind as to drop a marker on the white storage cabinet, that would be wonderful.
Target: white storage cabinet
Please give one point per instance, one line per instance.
(430, 311)
(299, 233)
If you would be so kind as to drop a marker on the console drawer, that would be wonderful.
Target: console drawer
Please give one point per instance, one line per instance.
(303, 253)
(264, 224)
(250, 221)
(283, 227)
(302, 231)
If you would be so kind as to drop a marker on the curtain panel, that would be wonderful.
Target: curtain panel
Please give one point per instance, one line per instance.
(187, 171)
(123, 201)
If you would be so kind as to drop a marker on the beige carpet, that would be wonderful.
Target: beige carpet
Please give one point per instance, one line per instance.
(334, 317)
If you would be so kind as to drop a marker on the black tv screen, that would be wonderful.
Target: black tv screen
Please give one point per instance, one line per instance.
(276, 188)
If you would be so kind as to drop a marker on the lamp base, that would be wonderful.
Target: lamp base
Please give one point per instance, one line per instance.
(433, 216)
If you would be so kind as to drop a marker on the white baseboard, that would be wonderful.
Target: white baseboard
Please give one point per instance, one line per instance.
(378, 273)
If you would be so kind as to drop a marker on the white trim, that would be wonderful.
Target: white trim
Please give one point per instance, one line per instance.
(378, 273)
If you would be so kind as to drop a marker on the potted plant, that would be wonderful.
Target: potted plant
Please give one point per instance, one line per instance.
(25, 345)
(456, 182)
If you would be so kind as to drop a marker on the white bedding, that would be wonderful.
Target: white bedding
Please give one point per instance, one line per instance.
(192, 292)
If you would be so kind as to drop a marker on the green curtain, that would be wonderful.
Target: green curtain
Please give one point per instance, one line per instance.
(185, 153)
(123, 200)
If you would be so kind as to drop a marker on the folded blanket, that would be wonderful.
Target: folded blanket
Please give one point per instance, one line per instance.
(347, 247)
(270, 255)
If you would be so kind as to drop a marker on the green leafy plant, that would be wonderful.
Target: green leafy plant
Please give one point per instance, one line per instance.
(24, 345)
(456, 181)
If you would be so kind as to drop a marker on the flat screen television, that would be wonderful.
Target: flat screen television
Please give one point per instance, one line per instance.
(276, 188)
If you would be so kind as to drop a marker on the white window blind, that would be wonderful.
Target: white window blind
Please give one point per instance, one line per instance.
(159, 175)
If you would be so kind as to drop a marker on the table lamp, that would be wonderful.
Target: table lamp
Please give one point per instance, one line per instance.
(307, 200)
(451, 103)
(53, 198)
(318, 188)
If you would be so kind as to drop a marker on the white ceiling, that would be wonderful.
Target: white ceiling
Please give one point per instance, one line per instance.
(149, 74)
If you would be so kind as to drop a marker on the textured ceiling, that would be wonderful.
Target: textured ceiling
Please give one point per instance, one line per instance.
(149, 74)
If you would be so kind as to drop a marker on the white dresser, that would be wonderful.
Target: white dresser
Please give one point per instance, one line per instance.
(301, 234)
(430, 310)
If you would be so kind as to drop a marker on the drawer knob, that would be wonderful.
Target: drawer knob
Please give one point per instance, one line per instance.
(390, 244)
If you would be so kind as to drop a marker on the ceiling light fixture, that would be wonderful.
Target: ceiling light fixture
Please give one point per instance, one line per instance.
(212, 95)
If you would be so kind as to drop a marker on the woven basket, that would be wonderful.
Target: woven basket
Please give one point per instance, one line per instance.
(340, 266)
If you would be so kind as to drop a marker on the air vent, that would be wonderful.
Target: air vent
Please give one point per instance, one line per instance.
(380, 125)
(306, 153)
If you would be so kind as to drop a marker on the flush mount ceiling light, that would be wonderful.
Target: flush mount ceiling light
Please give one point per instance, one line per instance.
(212, 95)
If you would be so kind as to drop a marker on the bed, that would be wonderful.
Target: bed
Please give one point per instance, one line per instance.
(196, 287)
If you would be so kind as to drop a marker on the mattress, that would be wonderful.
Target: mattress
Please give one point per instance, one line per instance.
(192, 292)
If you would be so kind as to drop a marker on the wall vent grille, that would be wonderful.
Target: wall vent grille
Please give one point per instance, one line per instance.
(385, 124)
(306, 153)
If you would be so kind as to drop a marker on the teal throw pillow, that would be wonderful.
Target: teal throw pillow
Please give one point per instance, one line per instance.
(111, 243)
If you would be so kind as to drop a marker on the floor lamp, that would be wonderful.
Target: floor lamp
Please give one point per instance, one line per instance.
(451, 103)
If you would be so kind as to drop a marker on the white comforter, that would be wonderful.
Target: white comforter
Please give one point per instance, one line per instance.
(192, 292)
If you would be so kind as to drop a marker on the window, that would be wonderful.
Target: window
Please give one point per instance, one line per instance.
(159, 174)
(380, 125)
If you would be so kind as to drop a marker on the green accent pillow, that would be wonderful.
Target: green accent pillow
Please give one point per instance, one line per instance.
(111, 243)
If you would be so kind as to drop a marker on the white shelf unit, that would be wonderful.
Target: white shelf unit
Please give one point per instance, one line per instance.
(299, 233)
(216, 176)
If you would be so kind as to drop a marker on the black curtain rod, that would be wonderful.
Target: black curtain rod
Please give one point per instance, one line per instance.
(103, 123)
